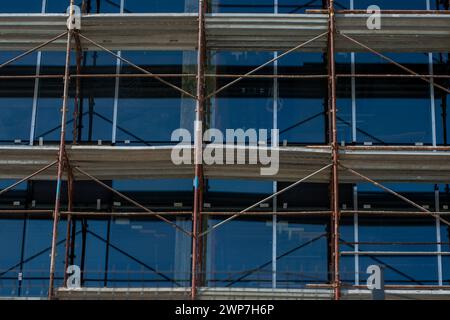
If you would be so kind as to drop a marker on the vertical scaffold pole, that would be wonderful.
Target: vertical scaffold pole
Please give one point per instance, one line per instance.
(335, 153)
(61, 161)
(198, 148)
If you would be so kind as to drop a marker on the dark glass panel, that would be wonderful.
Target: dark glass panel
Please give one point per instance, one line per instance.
(237, 257)
(301, 252)
(147, 253)
(16, 98)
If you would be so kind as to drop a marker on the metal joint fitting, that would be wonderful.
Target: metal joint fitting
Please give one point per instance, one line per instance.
(74, 20)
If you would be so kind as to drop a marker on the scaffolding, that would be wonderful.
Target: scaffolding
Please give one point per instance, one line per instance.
(327, 30)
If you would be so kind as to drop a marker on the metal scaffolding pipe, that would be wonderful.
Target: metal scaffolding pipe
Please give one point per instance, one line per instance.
(208, 75)
(394, 148)
(356, 11)
(198, 150)
(335, 152)
(379, 75)
(395, 253)
(78, 98)
(61, 161)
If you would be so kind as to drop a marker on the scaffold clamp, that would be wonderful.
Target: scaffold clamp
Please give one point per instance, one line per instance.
(74, 20)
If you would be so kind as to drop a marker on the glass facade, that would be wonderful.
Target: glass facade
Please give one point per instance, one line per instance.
(263, 249)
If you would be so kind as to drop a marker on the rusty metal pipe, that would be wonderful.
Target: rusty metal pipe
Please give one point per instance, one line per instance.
(335, 152)
(379, 75)
(252, 76)
(61, 160)
(322, 11)
(198, 149)
(395, 148)
(76, 110)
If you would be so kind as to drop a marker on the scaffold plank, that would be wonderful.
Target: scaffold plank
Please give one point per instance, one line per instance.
(122, 163)
(231, 32)
(249, 293)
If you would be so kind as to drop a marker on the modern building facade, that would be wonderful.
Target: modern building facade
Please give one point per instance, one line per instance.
(89, 106)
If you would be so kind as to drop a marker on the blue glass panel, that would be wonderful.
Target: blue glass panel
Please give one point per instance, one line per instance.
(48, 121)
(7, 183)
(135, 6)
(442, 120)
(148, 254)
(267, 6)
(347, 238)
(387, 116)
(96, 123)
(394, 237)
(216, 185)
(389, 4)
(16, 99)
(301, 252)
(48, 115)
(382, 121)
(301, 106)
(403, 270)
(102, 6)
(300, 6)
(301, 121)
(96, 110)
(399, 187)
(445, 247)
(141, 114)
(22, 6)
(240, 254)
(252, 100)
(255, 114)
(446, 270)
(159, 185)
(344, 121)
(240, 6)
(143, 119)
(95, 254)
(11, 239)
(37, 260)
